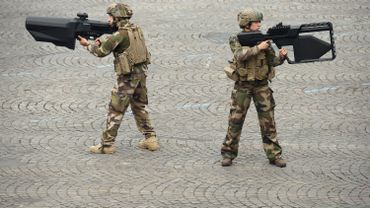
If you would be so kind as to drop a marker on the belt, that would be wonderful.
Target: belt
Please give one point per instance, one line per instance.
(255, 82)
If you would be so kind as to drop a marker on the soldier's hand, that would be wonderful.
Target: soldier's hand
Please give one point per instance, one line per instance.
(264, 45)
(83, 41)
(283, 53)
(98, 42)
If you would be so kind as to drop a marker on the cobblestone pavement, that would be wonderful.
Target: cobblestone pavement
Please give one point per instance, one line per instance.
(53, 104)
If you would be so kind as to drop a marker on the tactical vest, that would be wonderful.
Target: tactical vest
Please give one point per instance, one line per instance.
(136, 53)
(255, 68)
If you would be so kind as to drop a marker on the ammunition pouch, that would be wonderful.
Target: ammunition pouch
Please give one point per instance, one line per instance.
(243, 72)
(256, 68)
(231, 72)
(262, 72)
(122, 65)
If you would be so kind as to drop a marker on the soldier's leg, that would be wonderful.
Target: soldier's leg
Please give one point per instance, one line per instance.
(116, 109)
(240, 102)
(265, 104)
(121, 95)
(138, 106)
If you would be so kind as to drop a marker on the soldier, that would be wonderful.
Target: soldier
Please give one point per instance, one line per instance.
(252, 68)
(130, 64)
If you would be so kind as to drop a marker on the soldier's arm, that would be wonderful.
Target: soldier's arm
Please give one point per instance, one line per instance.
(242, 53)
(106, 46)
(276, 60)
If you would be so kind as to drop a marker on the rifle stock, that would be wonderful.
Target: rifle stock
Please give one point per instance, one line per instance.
(306, 48)
(64, 31)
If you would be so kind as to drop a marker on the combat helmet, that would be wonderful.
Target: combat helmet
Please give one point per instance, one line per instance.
(249, 15)
(119, 10)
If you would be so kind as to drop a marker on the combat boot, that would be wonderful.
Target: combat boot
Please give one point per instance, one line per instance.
(150, 143)
(226, 162)
(278, 161)
(102, 149)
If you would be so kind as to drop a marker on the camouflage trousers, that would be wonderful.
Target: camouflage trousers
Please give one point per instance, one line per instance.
(129, 90)
(241, 98)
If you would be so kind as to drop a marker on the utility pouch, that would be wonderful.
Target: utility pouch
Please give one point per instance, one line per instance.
(231, 73)
(122, 65)
(243, 72)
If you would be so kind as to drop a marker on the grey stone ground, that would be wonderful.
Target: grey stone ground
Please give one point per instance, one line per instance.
(53, 105)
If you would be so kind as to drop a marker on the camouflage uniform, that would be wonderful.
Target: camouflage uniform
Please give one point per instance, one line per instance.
(131, 69)
(251, 69)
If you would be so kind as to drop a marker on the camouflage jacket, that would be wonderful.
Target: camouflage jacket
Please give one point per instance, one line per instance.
(118, 43)
(251, 63)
